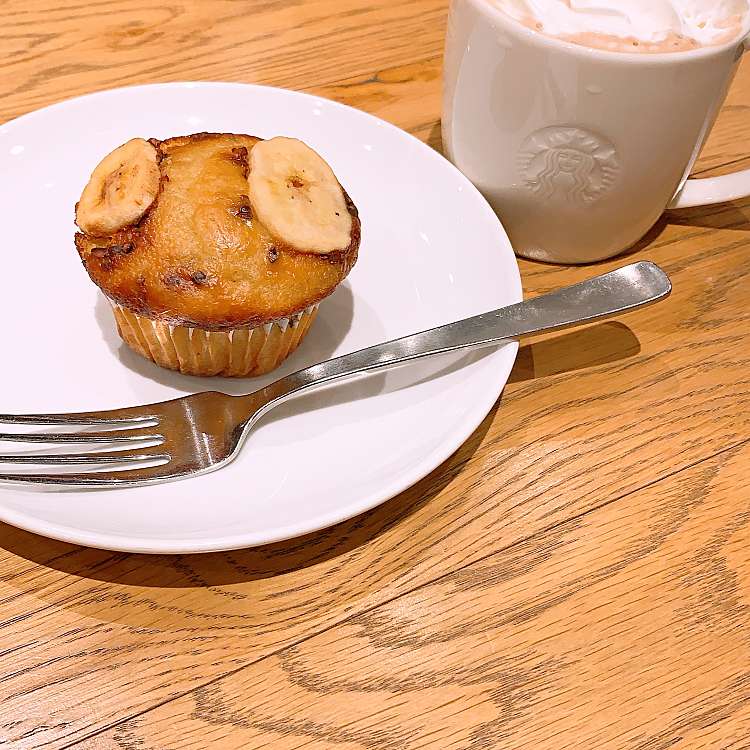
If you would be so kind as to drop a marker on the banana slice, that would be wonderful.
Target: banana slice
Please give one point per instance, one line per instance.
(296, 195)
(120, 190)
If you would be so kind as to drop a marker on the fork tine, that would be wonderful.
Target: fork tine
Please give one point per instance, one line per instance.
(102, 479)
(113, 457)
(82, 418)
(115, 436)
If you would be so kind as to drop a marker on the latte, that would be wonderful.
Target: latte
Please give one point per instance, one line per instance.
(647, 26)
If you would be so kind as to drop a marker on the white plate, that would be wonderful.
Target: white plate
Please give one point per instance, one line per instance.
(432, 252)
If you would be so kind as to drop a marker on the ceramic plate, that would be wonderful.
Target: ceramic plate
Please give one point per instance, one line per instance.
(432, 252)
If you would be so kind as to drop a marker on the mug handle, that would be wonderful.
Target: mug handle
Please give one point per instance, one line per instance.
(705, 191)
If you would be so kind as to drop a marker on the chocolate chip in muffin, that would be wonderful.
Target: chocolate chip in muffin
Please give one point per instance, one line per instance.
(199, 278)
(183, 279)
(173, 280)
(243, 210)
(113, 250)
(107, 256)
(239, 156)
(273, 254)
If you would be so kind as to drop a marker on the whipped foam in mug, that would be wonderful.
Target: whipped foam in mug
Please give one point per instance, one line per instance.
(634, 25)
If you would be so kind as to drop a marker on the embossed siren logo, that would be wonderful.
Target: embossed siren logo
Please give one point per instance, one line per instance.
(567, 162)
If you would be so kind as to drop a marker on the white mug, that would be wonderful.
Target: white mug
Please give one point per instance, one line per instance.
(579, 150)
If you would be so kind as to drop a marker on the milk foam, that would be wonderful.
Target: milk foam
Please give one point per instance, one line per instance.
(650, 22)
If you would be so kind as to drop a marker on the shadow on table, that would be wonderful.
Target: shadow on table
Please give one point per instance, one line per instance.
(435, 138)
(730, 215)
(580, 349)
(566, 353)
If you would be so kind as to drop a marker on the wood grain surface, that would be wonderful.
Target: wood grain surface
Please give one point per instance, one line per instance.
(576, 575)
(624, 627)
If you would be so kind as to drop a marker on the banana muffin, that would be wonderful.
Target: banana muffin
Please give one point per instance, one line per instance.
(216, 249)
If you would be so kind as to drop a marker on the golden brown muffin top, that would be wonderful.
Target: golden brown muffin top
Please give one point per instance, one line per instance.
(200, 256)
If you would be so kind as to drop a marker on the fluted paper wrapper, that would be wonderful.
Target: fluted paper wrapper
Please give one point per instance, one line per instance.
(239, 353)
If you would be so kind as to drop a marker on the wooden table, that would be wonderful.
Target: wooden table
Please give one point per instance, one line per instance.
(577, 575)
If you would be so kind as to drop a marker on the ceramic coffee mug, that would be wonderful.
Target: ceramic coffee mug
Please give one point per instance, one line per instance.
(578, 150)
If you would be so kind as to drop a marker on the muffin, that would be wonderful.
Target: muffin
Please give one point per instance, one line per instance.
(216, 249)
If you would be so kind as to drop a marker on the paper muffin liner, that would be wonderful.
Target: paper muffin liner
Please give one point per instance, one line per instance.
(239, 352)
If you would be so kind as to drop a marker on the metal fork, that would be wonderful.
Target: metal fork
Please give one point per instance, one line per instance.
(202, 432)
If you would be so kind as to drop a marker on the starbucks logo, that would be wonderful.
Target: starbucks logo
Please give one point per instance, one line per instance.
(568, 163)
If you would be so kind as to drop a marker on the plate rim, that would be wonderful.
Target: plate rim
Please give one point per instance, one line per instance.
(504, 358)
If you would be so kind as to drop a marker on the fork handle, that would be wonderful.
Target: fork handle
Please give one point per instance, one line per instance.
(613, 293)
